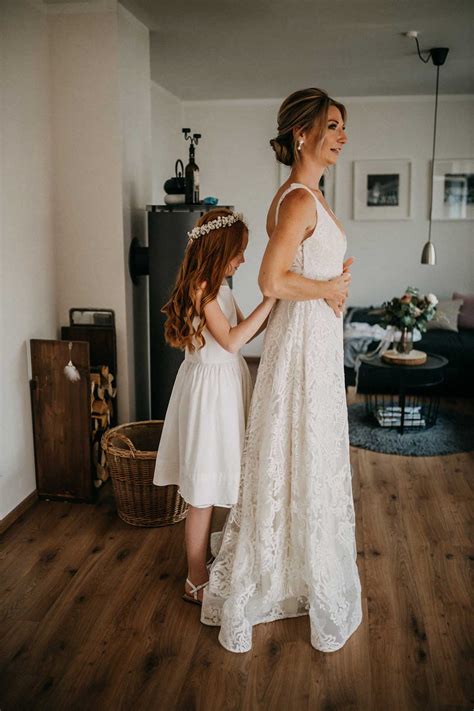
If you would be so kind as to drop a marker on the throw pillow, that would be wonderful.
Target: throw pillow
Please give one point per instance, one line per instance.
(447, 313)
(466, 315)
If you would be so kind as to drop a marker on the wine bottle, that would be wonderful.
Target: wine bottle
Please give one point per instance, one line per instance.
(192, 179)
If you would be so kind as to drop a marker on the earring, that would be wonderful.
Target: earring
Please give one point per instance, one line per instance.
(300, 143)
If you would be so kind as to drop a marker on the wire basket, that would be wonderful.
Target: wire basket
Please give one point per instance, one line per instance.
(131, 451)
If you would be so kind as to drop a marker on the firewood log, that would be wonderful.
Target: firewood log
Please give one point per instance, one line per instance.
(102, 473)
(99, 421)
(99, 407)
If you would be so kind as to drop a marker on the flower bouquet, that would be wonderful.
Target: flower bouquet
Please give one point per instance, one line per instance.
(408, 312)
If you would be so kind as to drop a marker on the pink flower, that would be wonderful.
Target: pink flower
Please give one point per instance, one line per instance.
(406, 298)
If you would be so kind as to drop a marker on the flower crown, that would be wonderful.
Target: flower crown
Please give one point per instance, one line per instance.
(221, 221)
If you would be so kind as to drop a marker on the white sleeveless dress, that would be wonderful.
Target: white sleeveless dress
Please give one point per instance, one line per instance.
(288, 547)
(201, 443)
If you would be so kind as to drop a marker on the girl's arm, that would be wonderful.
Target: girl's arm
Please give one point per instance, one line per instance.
(241, 317)
(261, 329)
(232, 338)
(296, 221)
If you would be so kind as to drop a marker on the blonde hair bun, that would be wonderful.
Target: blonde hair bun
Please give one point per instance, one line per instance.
(283, 152)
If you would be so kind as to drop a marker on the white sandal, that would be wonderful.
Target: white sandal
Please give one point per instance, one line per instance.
(193, 596)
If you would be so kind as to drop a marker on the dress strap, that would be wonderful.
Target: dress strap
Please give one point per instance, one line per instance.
(294, 186)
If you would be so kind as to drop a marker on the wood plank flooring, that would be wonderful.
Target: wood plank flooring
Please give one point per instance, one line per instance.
(91, 615)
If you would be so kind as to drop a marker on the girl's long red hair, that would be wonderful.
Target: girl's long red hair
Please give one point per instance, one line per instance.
(203, 268)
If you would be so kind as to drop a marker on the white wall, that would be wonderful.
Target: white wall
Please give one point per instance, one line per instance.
(389, 252)
(27, 273)
(135, 110)
(168, 143)
(75, 175)
(87, 155)
(237, 165)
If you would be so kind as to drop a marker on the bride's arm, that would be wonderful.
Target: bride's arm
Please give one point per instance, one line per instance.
(296, 221)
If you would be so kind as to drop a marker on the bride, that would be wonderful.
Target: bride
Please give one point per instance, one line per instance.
(288, 547)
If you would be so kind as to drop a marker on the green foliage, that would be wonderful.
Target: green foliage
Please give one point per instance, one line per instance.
(410, 310)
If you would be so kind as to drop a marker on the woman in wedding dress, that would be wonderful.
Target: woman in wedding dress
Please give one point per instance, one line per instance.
(288, 547)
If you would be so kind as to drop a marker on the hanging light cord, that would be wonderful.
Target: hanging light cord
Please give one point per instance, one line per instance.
(419, 52)
(434, 151)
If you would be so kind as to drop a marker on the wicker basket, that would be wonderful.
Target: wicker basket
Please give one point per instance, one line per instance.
(131, 455)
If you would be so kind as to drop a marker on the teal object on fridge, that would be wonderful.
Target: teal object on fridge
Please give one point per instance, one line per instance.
(210, 201)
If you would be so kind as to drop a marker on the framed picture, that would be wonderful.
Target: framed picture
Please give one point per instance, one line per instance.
(382, 190)
(326, 184)
(453, 189)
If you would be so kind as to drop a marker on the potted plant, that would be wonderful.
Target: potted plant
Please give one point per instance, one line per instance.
(412, 310)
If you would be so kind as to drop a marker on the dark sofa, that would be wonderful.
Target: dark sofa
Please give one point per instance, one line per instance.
(458, 348)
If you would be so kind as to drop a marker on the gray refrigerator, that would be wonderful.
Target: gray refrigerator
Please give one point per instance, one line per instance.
(167, 240)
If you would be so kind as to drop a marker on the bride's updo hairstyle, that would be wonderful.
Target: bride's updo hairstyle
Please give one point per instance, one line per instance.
(301, 111)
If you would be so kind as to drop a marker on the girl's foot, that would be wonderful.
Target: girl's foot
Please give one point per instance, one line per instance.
(194, 593)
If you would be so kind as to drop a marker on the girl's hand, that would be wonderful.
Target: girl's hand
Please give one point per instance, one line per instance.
(269, 300)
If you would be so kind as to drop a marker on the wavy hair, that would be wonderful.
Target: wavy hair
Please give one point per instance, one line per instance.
(203, 269)
(301, 111)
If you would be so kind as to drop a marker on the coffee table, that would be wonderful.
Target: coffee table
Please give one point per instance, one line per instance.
(405, 397)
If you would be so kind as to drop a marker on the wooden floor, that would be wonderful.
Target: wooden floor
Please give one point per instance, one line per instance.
(91, 614)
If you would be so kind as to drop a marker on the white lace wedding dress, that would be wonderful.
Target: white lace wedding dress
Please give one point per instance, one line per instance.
(288, 547)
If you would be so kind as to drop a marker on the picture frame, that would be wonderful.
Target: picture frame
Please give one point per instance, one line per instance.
(382, 189)
(328, 183)
(453, 189)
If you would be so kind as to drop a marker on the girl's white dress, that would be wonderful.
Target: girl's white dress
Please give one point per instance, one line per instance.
(201, 443)
(288, 547)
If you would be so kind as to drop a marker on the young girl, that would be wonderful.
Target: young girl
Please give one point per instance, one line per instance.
(204, 427)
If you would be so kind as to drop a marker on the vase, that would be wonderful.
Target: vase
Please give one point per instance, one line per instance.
(405, 344)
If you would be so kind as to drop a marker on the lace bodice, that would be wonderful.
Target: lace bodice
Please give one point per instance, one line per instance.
(319, 256)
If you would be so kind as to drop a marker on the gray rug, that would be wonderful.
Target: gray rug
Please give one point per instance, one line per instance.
(453, 432)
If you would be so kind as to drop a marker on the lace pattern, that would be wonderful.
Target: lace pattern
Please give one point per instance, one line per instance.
(288, 547)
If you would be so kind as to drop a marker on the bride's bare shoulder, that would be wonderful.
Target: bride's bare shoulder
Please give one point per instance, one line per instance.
(296, 201)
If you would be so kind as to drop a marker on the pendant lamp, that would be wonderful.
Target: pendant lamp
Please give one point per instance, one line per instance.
(438, 56)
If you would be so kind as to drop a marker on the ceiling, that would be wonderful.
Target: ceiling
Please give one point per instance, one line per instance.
(233, 49)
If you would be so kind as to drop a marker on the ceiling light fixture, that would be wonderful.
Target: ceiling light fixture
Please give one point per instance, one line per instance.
(438, 56)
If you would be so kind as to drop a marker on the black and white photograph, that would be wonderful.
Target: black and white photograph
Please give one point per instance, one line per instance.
(382, 190)
(453, 190)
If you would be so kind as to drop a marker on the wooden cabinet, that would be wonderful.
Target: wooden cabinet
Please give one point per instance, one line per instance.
(62, 425)
(66, 431)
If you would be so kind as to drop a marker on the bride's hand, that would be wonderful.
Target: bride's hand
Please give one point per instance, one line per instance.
(338, 305)
(338, 288)
(347, 264)
(338, 308)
